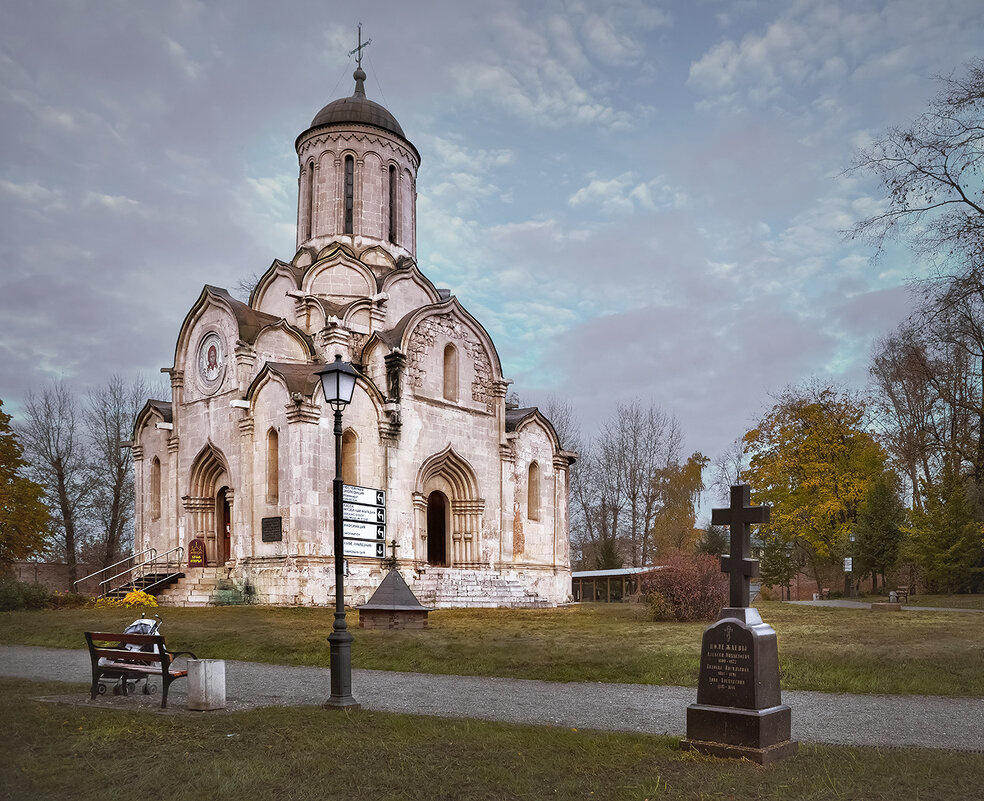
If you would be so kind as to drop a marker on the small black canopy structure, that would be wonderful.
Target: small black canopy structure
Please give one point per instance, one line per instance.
(393, 606)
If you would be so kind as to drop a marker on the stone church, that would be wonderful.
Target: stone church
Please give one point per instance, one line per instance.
(236, 471)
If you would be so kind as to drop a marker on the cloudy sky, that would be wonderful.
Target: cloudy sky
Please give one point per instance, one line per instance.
(639, 199)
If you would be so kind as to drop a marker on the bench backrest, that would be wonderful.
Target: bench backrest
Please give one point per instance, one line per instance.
(110, 646)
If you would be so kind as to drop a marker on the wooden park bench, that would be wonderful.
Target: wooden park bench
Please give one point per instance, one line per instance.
(902, 593)
(111, 659)
(825, 594)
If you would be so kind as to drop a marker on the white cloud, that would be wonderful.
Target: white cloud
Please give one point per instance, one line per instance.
(626, 194)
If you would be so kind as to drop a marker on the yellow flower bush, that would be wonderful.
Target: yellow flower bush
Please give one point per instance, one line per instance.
(132, 599)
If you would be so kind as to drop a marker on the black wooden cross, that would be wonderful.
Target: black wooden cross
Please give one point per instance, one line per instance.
(739, 516)
(390, 561)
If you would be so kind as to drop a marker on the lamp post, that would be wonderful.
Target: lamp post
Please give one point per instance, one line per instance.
(338, 383)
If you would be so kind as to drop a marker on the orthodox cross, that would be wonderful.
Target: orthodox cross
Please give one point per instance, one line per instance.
(358, 51)
(739, 516)
(391, 561)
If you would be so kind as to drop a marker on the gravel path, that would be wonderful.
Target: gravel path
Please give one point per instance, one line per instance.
(883, 720)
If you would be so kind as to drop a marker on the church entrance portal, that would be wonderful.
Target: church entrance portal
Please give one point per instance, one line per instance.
(437, 529)
(223, 513)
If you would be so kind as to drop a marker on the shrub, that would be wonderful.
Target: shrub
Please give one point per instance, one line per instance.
(21, 595)
(68, 600)
(133, 598)
(687, 588)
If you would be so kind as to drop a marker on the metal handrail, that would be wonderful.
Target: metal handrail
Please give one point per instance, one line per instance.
(116, 564)
(154, 560)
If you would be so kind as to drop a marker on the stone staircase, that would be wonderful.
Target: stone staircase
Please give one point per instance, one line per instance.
(457, 588)
(199, 587)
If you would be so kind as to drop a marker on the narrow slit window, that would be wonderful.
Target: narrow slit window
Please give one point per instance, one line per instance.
(533, 492)
(273, 466)
(450, 373)
(312, 199)
(392, 204)
(155, 488)
(350, 457)
(349, 194)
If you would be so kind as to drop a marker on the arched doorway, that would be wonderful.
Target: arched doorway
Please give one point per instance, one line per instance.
(437, 529)
(224, 517)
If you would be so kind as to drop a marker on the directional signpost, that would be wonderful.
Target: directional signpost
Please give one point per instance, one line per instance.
(364, 522)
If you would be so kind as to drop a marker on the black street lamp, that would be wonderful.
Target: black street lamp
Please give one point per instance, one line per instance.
(338, 383)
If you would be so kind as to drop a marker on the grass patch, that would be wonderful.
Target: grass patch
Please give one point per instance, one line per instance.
(825, 649)
(57, 751)
(965, 601)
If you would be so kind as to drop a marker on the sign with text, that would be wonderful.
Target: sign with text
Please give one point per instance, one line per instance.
(363, 531)
(358, 513)
(196, 553)
(365, 548)
(365, 495)
(272, 529)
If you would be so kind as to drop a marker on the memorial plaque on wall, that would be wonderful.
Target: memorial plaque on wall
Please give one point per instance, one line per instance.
(727, 667)
(271, 529)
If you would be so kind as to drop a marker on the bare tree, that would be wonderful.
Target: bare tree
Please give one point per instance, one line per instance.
(110, 412)
(57, 451)
(932, 174)
(727, 469)
(634, 447)
(905, 406)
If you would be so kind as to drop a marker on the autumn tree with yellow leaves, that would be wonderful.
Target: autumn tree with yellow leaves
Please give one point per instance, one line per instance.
(812, 460)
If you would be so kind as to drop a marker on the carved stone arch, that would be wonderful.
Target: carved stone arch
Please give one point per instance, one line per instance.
(448, 473)
(340, 277)
(209, 499)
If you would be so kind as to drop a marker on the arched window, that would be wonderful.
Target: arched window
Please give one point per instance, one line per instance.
(273, 467)
(392, 204)
(312, 199)
(533, 492)
(349, 194)
(350, 457)
(155, 488)
(450, 373)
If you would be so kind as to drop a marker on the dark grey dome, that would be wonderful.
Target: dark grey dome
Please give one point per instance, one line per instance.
(358, 109)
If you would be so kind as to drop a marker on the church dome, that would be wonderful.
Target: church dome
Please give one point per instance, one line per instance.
(358, 109)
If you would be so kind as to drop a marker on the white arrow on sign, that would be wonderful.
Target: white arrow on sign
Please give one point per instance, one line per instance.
(363, 514)
(364, 548)
(363, 531)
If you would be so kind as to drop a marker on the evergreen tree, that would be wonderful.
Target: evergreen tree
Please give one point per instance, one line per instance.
(778, 565)
(947, 540)
(879, 531)
(714, 540)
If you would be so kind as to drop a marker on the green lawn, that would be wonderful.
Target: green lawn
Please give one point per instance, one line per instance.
(963, 601)
(62, 751)
(825, 649)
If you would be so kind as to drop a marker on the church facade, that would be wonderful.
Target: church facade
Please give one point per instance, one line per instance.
(234, 474)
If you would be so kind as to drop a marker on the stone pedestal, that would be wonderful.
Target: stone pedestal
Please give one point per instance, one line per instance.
(739, 711)
(206, 684)
(886, 606)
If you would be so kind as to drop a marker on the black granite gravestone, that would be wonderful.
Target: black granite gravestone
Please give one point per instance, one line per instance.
(739, 710)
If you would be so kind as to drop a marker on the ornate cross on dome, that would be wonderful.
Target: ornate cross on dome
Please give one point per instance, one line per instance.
(739, 517)
(358, 51)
